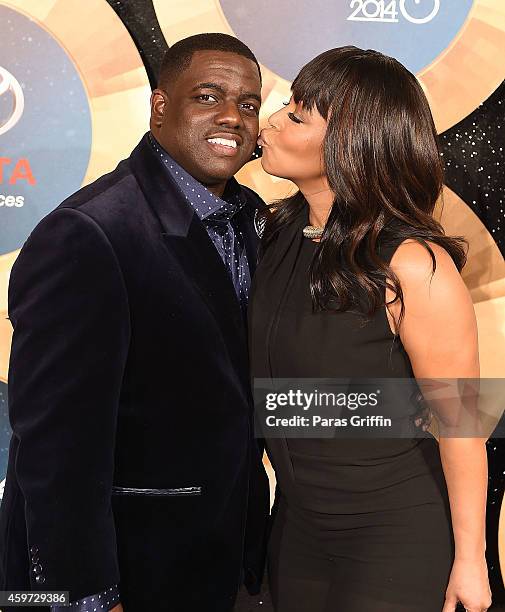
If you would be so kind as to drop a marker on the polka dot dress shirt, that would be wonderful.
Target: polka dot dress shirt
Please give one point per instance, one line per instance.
(217, 215)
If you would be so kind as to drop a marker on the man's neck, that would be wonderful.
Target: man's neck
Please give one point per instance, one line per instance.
(217, 190)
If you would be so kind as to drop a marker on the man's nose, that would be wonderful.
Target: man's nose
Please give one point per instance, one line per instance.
(229, 114)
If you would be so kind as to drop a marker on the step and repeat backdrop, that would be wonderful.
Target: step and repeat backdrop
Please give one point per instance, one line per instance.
(75, 83)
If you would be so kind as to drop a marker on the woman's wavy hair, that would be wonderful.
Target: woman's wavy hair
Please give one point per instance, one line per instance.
(383, 164)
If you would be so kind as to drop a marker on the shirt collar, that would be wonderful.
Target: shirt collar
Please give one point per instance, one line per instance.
(203, 201)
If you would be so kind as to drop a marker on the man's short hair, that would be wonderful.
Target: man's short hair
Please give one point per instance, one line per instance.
(179, 56)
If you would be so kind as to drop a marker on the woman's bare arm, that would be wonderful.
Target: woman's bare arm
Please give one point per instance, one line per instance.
(439, 333)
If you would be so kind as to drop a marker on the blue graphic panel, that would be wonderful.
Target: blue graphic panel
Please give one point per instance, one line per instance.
(53, 135)
(285, 35)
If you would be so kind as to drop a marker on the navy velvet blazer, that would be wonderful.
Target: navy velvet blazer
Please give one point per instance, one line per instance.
(124, 466)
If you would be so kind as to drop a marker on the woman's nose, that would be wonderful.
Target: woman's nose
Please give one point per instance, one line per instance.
(273, 120)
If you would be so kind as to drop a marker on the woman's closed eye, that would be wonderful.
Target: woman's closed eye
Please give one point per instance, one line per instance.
(294, 118)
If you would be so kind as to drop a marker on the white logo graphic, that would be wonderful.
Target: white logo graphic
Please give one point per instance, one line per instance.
(385, 11)
(9, 83)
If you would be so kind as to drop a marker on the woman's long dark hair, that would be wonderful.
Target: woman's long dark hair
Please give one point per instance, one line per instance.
(383, 165)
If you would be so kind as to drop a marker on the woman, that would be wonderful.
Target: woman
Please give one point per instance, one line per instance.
(371, 290)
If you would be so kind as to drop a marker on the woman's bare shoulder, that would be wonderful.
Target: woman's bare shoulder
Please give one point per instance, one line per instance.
(413, 263)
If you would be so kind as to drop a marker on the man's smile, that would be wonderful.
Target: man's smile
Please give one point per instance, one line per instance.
(225, 144)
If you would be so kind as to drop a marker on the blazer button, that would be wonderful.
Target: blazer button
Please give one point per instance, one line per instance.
(34, 550)
(40, 579)
(37, 569)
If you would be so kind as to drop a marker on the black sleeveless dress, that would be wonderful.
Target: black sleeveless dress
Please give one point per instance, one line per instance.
(360, 525)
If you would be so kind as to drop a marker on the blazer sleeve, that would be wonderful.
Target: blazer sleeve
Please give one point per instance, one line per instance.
(69, 309)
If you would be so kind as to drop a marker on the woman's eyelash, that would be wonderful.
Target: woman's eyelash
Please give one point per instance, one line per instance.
(285, 103)
(294, 118)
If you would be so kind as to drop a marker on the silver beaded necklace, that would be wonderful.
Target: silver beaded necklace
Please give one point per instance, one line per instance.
(312, 231)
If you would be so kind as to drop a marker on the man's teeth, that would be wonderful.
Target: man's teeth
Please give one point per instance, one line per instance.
(223, 141)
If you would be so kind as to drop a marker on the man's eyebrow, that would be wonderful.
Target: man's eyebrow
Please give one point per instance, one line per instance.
(209, 86)
(220, 89)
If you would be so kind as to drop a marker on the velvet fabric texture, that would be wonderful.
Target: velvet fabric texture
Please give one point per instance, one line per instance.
(132, 458)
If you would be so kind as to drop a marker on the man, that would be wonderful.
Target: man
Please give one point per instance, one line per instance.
(132, 458)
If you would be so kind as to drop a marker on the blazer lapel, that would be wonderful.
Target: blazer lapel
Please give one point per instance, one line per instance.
(187, 239)
(201, 262)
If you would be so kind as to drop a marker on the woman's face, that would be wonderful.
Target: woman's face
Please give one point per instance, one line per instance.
(292, 144)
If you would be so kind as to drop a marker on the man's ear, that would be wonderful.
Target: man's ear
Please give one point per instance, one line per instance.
(158, 102)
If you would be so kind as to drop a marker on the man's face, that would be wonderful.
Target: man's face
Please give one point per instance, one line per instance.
(217, 97)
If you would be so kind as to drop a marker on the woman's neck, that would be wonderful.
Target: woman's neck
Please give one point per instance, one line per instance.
(320, 199)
